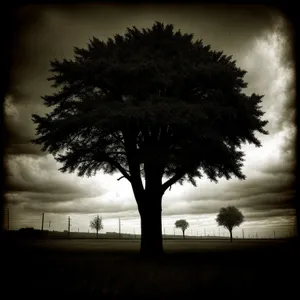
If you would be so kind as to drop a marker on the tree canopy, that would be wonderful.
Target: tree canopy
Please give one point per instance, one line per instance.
(183, 224)
(150, 98)
(230, 217)
(152, 103)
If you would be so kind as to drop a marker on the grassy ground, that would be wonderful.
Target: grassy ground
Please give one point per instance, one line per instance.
(114, 268)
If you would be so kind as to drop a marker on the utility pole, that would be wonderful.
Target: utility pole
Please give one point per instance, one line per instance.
(119, 228)
(42, 221)
(69, 225)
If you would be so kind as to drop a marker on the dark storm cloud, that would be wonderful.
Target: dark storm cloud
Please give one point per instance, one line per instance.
(61, 203)
(284, 169)
(36, 176)
(228, 28)
(286, 214)
(82, 207)
(287, 59)
(268, 202)
(263, 212)
(265, 184)
(35, 185)
(48, 32)
(56, 29)
(41, 197)
(19, 128)
(285, 29)
(18, 145)
(15, 184)
(23, 177)
(260, 195)
(268, 209)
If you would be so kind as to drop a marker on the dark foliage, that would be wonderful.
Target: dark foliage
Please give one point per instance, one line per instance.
(183, 225)
(151, 103)
(230, 217)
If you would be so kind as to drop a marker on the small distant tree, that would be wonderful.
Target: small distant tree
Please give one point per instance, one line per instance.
(97, 224)
(183, 224)
(230, 217)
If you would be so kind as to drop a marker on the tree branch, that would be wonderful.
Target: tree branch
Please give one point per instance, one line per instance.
(120, 168)
(133, 163)
(172, 180)
(118, 138)
(116, 152)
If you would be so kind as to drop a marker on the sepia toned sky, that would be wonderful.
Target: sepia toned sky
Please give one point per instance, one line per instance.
(259, 40)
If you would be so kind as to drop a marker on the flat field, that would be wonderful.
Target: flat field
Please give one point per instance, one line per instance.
(114, 268)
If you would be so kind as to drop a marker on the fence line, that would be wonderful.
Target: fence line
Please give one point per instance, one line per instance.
(131, 227)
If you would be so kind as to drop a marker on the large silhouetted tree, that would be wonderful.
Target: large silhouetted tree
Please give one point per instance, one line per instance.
(154, 103)
(183, 225)
(230, 217)
(96, 224)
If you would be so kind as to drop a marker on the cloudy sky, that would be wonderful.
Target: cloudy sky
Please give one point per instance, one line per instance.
(259, 40)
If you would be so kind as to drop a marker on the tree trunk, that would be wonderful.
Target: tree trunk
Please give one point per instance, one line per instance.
(151, 227)
(183, 234)
(97, 233)
(230, 235)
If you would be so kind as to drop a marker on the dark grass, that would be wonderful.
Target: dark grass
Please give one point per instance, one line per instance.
(115, 268)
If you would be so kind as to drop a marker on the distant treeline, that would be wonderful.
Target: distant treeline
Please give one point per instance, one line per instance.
(30, 232)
